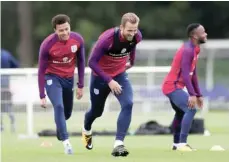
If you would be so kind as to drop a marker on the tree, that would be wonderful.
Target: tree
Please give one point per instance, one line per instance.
(25, 25)
(159, 20)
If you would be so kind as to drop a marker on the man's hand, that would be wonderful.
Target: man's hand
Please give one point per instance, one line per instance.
(192, 101)
(43, 102)
(115, 87)
(79, 93)
(200, 102)
(128, 65)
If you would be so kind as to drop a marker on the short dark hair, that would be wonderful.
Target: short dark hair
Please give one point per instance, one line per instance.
(191, 28)
(60, 19)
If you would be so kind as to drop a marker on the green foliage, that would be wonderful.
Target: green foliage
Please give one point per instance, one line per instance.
(159, 20)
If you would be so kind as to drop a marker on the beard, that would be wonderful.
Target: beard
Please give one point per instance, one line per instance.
(129, 38)
(201, 41)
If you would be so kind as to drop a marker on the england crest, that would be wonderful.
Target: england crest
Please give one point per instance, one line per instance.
(74, 48)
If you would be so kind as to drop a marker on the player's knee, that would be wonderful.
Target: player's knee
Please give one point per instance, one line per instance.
(59, 108)
(128, 105)
(67, 116)
(191, 111)
(98, 113)
(179, 116)
(97, 110)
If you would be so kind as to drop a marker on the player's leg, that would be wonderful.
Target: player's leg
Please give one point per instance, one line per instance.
(126, 101)
(67, 85)
(2, 126)
(68, 105)
(55, 94)
(2, 109)
(68, 97)
(99, 91)
(12, 119)
(180, 99)
(68, 94)
(10, 111)
(176, 125)
(6, 106)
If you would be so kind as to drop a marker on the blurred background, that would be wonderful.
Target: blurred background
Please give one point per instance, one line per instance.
(24, 25)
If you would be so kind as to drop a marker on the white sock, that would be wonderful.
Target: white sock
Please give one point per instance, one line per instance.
(66, 143)
(181, 144)
(118, 143)
(175, 144)
(86, 131)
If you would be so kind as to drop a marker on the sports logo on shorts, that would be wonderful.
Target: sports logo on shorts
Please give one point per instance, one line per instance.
(49, 82)
(96, 91)
(74, 48)
(123, 50)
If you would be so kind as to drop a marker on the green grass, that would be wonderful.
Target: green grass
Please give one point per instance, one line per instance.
(142, 148)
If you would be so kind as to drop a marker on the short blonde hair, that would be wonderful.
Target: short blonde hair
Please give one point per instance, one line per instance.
(129, 17)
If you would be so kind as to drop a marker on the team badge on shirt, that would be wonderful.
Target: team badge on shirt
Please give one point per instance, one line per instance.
(74, 48)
